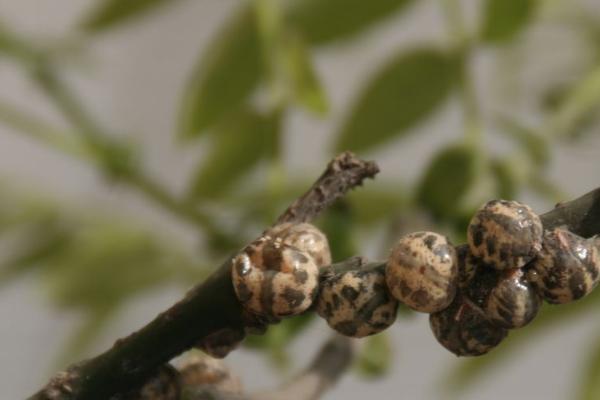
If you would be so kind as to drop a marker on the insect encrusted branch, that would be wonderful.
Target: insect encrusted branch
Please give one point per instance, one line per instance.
(211, 308)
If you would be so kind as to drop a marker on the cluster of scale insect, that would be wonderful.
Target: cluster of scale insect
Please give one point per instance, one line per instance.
(505, 271)
(475, 293)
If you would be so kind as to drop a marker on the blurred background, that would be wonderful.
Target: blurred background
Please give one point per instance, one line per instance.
(142, 141)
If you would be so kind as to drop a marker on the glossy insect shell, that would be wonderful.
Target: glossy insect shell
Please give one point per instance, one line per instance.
(306, 237)
(357, 303)
(421, 271)
(467, 265)
(505, 234)
(512, 302)
(567, 268)
(463, 329)
(273, 279)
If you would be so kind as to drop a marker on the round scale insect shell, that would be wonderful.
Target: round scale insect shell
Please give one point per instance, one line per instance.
(463, 329)
(306, 237)
(512, 302)
(505, 234)
(421, 271)
(567, 268)
(357, 303)
(273, 279)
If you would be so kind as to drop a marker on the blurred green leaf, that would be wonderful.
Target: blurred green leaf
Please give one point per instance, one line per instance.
(375, 357)
(339, 224)
(506, 181)
(545, 188)
(109, 13)
(306, 88)
(104, 265)
(468, 371)
(377, 204)
(450, 175)
(225, 75)
(42, 242)
(239, 144)
(534, 145)
(276, 341)
(590, 380)
(505, 19)
(14, 46)
(322, 22)
(578, 107)
(404, 92)
(552, 101)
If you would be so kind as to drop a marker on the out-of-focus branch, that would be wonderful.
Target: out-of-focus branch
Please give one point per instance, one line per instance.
(97, 146)
(331, 362)
(211, 309)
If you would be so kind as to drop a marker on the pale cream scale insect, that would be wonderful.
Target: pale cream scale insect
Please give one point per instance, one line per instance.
(357, 303)
(421, 271)
(275, 277)
(305, 237)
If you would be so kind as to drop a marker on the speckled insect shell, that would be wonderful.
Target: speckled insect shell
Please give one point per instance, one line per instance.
(463, 329)
(505, 234)
(273, 279)
(567, 268)
(512, 302)
(357, 303)
(305, 237)
(421, 271)
(467, 265)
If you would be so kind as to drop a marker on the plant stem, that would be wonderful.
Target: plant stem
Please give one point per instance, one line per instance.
(39, 130)
(207, 310)
(212, 307)
(103, 146)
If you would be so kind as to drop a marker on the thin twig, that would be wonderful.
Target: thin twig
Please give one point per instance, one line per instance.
(209, 309)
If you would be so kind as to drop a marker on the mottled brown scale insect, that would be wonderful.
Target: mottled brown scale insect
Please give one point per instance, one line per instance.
(273, 279)
(507, 297)
(306, 237)
(467, 265)
(512, 302)
(567, 268)
(421, 271)
(505, 234)
(463, 329)
(357, 303)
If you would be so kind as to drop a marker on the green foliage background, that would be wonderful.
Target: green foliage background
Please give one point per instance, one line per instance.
(258, 67)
